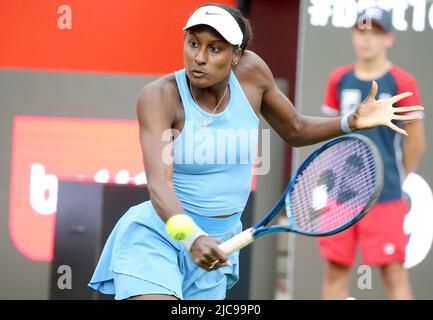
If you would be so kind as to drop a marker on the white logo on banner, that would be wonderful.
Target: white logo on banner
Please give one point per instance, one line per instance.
(418, 223)
(44, 186)
(344, 13)
(43, 190)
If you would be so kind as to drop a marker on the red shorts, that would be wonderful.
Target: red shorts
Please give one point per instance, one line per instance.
(380, 236)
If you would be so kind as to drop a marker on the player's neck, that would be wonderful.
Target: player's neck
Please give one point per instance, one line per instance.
(372, 69)
(211, 95)
(216, 89)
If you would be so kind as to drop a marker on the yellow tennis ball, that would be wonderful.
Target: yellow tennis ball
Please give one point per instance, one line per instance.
(180, 227)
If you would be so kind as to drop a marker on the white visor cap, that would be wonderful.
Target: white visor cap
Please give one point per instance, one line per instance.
(219, 19)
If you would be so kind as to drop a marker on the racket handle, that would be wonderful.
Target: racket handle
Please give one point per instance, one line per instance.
(237, 242)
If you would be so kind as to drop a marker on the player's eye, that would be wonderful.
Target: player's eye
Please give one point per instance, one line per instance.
(214, 49)
(193, 44)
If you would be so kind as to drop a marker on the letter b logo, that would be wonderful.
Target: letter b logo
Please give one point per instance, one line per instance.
(43, 190)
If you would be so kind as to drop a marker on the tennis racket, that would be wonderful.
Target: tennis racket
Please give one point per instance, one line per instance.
(332, 189)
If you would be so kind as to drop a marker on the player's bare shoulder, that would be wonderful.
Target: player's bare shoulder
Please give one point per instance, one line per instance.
(160, 96)
(252, 69)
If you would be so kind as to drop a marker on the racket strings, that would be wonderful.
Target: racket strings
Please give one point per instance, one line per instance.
(329, 220)
(334, 188)
(346, 213)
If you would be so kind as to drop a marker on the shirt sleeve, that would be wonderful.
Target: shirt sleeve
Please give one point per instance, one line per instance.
(331, 103)
(407, 83)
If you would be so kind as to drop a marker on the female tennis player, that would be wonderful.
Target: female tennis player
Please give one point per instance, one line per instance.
(198, 133)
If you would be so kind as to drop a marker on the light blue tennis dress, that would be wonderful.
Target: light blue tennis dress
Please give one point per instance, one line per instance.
(212, 173)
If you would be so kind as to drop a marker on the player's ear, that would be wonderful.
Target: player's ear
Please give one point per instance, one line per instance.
(237, 52)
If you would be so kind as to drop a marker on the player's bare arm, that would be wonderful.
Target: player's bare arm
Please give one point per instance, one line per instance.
(156, 116)
(299, 130)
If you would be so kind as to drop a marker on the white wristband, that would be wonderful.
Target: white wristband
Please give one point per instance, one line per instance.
(345, 123)
(198, 232)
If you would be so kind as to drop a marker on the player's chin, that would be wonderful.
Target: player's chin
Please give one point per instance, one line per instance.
(200, 82)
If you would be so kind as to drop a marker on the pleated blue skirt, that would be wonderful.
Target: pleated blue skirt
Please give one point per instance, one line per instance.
(139, 258)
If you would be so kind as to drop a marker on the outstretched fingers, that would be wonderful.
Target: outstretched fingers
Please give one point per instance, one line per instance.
(373, 91)
(408, 109)
(395, 128)
(408, 117)
(400, 96)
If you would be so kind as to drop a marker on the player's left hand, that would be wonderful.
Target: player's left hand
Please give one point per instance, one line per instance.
(372, 113)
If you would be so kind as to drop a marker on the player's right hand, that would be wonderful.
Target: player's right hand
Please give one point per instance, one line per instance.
(207, 255)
